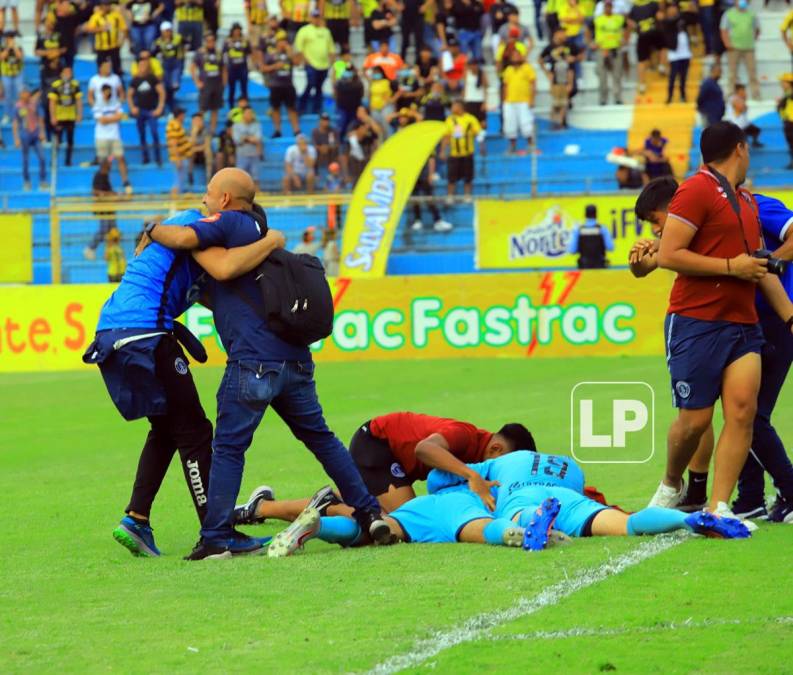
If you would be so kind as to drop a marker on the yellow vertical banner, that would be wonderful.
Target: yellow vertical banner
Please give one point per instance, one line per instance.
(380, 196)
(16, 251)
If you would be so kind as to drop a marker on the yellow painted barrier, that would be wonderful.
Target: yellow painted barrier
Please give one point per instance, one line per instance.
(524, 234)
(16, 250)
(534, 315)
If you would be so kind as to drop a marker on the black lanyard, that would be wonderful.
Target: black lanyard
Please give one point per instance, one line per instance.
(732, 197)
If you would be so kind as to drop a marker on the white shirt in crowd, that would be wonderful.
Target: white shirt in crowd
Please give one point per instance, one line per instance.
(296, 161)
(620, 7)
(96, 83)
(107, 132)
(741, 119)
(683, 49)
(472, 93)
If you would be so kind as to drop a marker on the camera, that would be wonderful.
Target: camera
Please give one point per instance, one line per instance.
(775, 265)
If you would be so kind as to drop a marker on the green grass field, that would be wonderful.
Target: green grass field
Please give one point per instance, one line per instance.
(72, 600)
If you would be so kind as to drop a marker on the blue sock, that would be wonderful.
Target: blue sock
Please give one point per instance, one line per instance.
(339, 530)
(494, 531)
(525, 517)
(655, 520)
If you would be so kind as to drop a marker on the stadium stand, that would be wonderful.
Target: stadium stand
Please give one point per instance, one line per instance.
(567, 161)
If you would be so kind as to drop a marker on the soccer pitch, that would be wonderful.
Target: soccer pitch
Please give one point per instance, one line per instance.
(72, 600)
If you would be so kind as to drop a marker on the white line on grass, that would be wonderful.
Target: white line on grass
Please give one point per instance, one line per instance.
(638, 630)
(479, 626)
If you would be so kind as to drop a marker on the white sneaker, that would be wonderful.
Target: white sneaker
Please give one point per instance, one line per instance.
(668, 497)
(443, 226)
(417, 226)
(89, 253)
(303, 528)
(724, 511)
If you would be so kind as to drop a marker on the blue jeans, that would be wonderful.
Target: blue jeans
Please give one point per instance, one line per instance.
(30, 141)
(250, 165)
(768, 451)
(147, 119)
(237, 75)
(346, 118)
(392, 44)
(707, 17)
(471, 42)
(12, 85)
(172, 79)
(538, 17)
(181, 170)
(142, 37)
(247, 389)
(192, 33)
(314, 81)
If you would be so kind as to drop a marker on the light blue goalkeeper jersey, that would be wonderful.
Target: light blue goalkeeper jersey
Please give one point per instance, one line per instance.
(516, 472)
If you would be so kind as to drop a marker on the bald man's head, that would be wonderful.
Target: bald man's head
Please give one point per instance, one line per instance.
(230, 190)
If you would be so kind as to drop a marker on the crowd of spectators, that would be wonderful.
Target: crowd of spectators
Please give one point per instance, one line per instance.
(434, 72)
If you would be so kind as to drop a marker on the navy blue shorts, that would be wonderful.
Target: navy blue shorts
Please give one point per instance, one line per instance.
(698, 351)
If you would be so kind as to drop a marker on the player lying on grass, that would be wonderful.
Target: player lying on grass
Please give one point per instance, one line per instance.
(394, 451)
(146, 372)
(768, 451)
(534, 493)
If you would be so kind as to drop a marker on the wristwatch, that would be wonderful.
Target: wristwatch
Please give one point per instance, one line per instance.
(149, 227)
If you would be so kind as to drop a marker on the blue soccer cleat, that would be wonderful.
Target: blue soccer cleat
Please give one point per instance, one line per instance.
(137, 538)
(535, 537)
(711, 525)
(242, 544)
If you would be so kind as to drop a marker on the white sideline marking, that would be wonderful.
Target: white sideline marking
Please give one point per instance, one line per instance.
(638, 630)
(481, 625)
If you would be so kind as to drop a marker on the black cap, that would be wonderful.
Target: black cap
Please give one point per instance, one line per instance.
(591, 211)
(452, 41)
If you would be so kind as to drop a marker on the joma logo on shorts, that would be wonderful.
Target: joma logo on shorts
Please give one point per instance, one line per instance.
(195, 482)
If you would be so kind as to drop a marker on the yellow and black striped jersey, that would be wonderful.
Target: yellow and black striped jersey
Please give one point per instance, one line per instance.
(11, 62)
(257, 12)
(111, 29)
(338, 9)
(189, 10)
(66, 94)
(169, 49)
(462, 131)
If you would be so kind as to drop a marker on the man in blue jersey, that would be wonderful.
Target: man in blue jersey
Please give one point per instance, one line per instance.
(262, 370)
(767, 450)
(147, 375)
(534, 493)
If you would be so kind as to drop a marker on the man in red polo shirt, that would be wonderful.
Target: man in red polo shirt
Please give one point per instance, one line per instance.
(713, 340)
(393, 451)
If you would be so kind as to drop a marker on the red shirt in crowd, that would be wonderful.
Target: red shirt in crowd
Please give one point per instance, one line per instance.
(701, 204)
(458, 68)
(404, 430)
(390, 63)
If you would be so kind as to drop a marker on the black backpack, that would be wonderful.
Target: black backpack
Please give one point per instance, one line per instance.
(298, 305)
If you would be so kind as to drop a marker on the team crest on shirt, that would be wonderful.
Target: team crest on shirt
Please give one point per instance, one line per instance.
(180, 365)
(397, 471)
(211, 219)
(683, 389)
